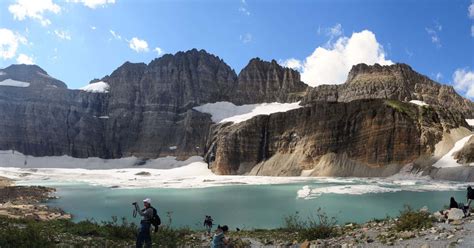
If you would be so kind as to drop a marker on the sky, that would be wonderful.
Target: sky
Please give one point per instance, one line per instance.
(79, 40)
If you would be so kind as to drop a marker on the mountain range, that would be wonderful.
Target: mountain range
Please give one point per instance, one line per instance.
(382, 120)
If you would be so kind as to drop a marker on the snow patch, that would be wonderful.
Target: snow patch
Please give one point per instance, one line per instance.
(98, 87)
(228, 112)
(470, 122)
(173, 147)
(448, 159)
(14, 83)
(12, 158)
(2, 73)
(104, 117)
(419, 103)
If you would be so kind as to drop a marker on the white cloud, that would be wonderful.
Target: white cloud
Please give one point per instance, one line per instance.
(433, 33)
(330, 65)
(472, 30)
(293, 64)
(244, 11)
(94, 3)
(158, 50)
(246, 38)
(464, 82)
(24, 59)
(9, 43)
(33, 9)
(243, 8)
(93, 27)
(335, 31)
(63, 35)
(471, 11)
(438, 76)
(115, 35)
(138, 45)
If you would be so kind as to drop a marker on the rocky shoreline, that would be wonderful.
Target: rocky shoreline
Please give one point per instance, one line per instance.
(25, 202)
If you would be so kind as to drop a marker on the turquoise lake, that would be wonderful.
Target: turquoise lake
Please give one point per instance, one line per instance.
(242, 206)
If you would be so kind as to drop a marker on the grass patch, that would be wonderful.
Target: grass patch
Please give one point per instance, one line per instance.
(413, 220)
(320, 227)
(403, 107)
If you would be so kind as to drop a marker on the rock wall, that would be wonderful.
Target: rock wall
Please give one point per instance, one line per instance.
(377, 136)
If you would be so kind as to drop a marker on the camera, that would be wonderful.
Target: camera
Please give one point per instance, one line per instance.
(134, 203)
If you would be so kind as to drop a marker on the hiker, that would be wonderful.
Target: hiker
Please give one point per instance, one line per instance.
(470, 196)
(208, 224)
(219, 240)
(453, 203)
(145, 223)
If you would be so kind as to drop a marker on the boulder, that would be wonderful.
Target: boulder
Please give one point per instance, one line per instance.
(455, 214)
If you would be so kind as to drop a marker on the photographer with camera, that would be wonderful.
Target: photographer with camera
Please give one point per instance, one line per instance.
(147, 214)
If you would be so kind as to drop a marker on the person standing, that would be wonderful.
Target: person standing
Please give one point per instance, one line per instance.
(470, 196)
(144, 235)
(208, 224)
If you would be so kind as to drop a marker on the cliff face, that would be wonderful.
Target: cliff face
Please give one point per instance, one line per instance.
(262, 81)
(46, 118)
(332, 139)
(147, 111)
(397, 82)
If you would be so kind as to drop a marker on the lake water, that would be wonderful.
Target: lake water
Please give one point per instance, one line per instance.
(244, 206)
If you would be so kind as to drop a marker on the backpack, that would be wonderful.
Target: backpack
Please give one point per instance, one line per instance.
(155, 220)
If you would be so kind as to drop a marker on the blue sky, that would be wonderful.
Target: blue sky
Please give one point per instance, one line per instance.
(73, 41)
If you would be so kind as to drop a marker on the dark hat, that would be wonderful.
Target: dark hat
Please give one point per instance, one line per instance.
(224, 228)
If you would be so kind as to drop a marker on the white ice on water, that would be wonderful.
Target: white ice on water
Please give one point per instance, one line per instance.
(228, 112)
(98, 87)
(14, 83)
(448, 159)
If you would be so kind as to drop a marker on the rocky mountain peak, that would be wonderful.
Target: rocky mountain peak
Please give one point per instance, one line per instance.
(32, 74)
(364, 73)
(263, 81)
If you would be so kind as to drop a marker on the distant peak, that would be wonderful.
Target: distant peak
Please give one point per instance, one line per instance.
(377, 68)
(22, 68)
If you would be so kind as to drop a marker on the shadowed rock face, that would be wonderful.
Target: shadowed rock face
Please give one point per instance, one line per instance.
(262, 81)
(398, 82)
(359, 134)
(147, 112)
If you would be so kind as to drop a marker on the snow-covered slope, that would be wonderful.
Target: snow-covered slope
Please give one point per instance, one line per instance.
(98, 87)
(228, 112)
(419, 103)
(470, 122)
(448, 159)
(14, 83)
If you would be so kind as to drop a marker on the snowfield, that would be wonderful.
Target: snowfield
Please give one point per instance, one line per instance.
(14, 83)
(228, 112)
(448, 159)
(470, 122)
(419, 103)
(98, 87)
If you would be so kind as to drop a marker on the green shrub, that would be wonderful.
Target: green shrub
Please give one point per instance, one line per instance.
(319, 227)
(413, 220)
(29, 235)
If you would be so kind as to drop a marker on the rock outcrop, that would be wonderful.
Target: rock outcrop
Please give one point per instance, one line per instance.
(396, 82)
(262, 81)
(360, 138)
